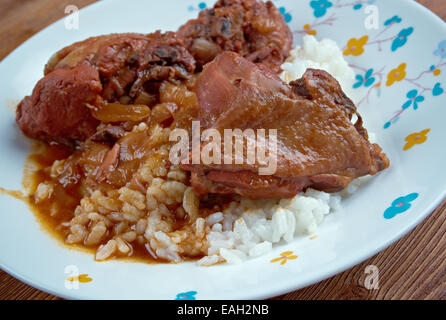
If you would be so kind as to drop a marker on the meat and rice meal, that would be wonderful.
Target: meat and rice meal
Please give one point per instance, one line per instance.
(107, 108)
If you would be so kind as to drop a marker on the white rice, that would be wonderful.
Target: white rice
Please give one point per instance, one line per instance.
(325, 55)
(252, 228)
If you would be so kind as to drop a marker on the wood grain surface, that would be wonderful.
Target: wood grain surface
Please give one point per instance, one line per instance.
(412, 268)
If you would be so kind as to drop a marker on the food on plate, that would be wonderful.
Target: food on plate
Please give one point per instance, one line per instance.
(253, 29)
(318, 145)
(126, 68)
(106, 110)
(57, 110)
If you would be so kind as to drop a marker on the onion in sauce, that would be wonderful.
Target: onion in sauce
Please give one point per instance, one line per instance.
(116, 112)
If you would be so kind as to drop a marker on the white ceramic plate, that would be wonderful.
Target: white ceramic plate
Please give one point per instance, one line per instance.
(408, 36)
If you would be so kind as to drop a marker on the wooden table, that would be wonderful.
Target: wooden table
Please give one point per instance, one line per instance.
(412, 268)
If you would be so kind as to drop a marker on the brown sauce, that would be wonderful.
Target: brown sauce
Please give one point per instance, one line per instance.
(36, 171)
(42, 156)
(15, 194)
(67, 189)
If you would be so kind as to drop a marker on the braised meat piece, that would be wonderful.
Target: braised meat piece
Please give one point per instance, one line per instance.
(252, 28)
(131, 67)
(129, 64)
(318, 146)
(56, 110)
(126, 68)
(108, 134)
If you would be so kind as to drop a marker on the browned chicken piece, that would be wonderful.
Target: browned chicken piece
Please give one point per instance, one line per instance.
(56, 110)
(126, 68)
(317, 144)
(252, 28)
(129, 62)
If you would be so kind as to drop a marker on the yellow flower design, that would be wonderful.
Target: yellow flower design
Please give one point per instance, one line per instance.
(355, 46)
(284, 257)
(437, 72)
(82, 278)
(398, 74)
(309, 30)
(416, 138)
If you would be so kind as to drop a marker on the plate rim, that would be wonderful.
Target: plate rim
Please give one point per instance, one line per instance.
(278, 289)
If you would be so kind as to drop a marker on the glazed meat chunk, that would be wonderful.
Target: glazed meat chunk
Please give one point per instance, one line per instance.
(56, 110)
(125, 68)
(318, 146)
(252, 28)
(130, 63)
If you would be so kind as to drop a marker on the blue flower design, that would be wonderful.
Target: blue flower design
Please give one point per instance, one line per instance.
(358, 5)
(320, 7)
(286, 15)
(393, 20)
(389, 123)
(400, 205)
(367, 80)
(414, 99)
(201, 6)
(401, 39)
(441, 50)
(437, 90)
(190, 295)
